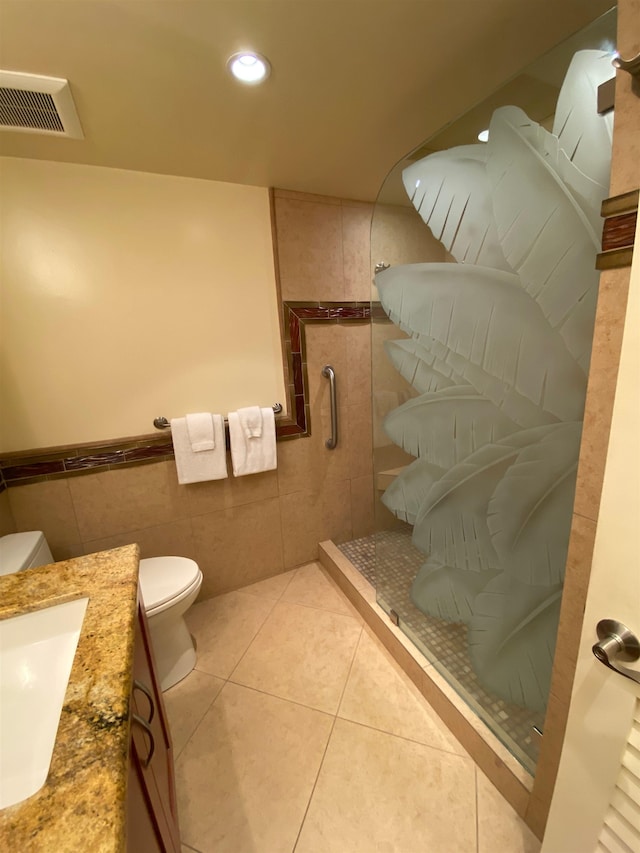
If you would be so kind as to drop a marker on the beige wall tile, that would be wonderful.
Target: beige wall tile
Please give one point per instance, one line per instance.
(232, 803)
(127, 499)
(399, 236)
(327, 345)
(358, 350)
(48, 506)
(163, 540)
(309, 243)
(7, 522)
(626, 140)
(360, 439)
(302, 654)
(425, 799)
(205, 497)
(605, 357)
(310, 517)
(308, 464)
(356, 237)
(232, 491)
(253, 487)
(238, 546)
(362, 510)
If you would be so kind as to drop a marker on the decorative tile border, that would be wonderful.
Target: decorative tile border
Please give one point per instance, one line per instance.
(32, 466)
(618, 233)
(296, 316)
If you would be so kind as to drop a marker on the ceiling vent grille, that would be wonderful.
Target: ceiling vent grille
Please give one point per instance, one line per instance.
(37, 104)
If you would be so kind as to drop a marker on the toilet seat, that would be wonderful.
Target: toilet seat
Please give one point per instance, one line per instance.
(166, 580)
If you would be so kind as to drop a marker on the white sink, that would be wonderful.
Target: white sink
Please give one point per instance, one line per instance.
(36, 654)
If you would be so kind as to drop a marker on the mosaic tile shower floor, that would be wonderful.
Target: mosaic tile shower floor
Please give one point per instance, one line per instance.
(389, 561)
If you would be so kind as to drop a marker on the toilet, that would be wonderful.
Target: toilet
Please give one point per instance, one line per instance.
(169, 586)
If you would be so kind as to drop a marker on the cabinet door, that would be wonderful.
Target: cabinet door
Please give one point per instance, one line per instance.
(144, 832)
(151, 755)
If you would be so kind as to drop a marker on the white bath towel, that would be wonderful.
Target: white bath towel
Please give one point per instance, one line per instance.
(251, 421)
(252, 455)
(201, 434)
(205, 464)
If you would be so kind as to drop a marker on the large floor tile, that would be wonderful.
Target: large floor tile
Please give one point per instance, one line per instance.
(302, 654)
(244, 779)
(499, 827)
(377, 792)
(380, 695)
(313, 588)
(187, 703)
(271, 587)
(224, 627)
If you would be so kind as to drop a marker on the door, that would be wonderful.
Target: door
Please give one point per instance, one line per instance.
(596, 800)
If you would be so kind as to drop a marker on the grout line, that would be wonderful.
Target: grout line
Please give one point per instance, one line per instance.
(356, 618)
(466, 757)
(255, 636)
(335, 718)
(281, 698)
(199, 723)
(313, 789)
(293, 573)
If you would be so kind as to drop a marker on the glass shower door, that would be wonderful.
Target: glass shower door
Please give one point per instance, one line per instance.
(483, 309)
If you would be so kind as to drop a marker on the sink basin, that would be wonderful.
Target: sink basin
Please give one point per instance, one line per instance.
(36, 655)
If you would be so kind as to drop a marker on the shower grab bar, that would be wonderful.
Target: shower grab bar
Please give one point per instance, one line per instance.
(329, 373)
(163, 423)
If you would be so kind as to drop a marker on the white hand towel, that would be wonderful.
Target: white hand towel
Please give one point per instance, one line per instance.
(203, 465)
(252, 455)
(200, 429)
(251, 421)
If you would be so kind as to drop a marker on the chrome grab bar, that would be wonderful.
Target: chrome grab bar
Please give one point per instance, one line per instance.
(329, 373)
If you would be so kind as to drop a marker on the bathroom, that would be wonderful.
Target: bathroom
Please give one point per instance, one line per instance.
(117, 273)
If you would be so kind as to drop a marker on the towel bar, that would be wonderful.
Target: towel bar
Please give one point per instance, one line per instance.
(163, 423)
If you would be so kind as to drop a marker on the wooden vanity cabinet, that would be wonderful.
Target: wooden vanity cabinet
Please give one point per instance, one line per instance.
(152, 815)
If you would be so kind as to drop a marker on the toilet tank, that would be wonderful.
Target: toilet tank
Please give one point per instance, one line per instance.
(20, 551)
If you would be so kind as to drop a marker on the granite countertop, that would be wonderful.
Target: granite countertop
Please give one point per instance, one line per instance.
(82, 805)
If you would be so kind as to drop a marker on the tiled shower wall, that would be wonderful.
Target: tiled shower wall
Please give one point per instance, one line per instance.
(243, 529)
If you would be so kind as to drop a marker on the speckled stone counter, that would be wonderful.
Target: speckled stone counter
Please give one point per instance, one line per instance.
(82, 805)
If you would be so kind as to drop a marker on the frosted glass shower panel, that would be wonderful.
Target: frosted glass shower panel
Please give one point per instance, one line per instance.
(494, 341)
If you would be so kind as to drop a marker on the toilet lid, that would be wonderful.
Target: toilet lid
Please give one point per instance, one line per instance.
(17, 550)
(164, 578)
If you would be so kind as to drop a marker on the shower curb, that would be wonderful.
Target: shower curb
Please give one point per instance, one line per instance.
(492, 757)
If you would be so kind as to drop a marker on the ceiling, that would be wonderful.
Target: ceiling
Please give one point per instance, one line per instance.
(355, 84)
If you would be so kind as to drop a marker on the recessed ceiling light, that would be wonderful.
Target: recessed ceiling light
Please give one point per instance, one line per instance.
(483, 136)
(249, 67)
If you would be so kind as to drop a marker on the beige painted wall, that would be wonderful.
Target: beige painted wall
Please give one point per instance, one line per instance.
(243, 529)
(128, 295)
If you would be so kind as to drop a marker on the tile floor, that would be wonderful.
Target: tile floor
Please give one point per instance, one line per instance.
(298, 732)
